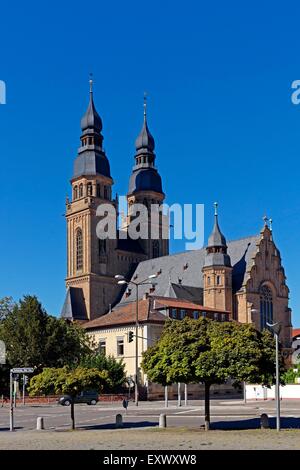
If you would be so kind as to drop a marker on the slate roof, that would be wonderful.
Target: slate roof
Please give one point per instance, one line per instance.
(144, 179)
(74, 305)
(183, 271)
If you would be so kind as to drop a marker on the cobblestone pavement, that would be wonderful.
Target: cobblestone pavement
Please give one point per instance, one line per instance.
(151, 439)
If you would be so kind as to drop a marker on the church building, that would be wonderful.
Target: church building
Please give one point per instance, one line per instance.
(241, 280)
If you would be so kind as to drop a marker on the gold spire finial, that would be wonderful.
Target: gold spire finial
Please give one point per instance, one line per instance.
(216, 208)
(91, 83)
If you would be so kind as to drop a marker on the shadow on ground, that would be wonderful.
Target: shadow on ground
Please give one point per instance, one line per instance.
(254, 423)
(7, 429)
(128, 425)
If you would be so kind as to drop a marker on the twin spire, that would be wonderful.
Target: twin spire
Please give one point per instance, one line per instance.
(145, 141)
(91, 121)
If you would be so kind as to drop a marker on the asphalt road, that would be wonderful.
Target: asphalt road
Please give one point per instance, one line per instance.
(225, 414)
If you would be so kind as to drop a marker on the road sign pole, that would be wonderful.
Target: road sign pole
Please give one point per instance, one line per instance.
(24, 389)
(15, 392)
(11, 405)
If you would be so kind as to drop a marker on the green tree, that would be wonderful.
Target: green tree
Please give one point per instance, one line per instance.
(210, 352)
(115, 369)
(6, 306)
(290, 376)
(35, 339)
(67, 381)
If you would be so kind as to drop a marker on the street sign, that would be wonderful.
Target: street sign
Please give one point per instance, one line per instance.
(22, 370)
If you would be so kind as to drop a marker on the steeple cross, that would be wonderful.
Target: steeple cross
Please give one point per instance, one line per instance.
(266, 220)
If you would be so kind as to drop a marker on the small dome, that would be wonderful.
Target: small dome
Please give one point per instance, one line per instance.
(145, 179)
(91, 119)
(145, 140)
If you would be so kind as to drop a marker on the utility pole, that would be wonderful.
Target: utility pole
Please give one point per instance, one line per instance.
(11, 403)
(136, 346)
(24, 383)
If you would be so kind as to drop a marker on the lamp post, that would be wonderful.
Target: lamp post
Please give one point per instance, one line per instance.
(122, 281)
(249, 320)
(275, 328)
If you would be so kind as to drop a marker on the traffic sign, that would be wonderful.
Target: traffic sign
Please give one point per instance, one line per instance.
(22, 370)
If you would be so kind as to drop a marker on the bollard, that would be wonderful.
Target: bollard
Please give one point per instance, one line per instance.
(119, 421)
(162, 421)
(264, 421)
(40, 423)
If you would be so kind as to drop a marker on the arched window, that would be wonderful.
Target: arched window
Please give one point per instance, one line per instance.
(75, 192)
(79, 250)
(218, 280)
(89, 189)
(101, 247)
(266, 306)
(155, 249)
(81, 190)
(208, 280)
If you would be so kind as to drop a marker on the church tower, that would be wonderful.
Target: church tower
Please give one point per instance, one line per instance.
(145, 187)
(90, 279)
(217, 271)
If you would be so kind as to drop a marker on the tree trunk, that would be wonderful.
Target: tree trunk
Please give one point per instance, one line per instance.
(72, 414)
(206, 407)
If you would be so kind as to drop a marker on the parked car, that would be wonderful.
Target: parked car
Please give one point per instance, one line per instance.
(88, 397)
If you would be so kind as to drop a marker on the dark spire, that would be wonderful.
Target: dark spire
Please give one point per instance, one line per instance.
(145, 176)
(216, 250)
(91, 159)
(145, 141)
(91, 119)
(216, 237)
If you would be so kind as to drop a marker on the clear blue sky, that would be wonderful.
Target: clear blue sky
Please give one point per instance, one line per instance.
(218, 76)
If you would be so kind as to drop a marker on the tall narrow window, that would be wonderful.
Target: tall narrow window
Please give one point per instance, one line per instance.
(106, 192)
(102, 346)
(266, 306)
(101, 247)
(218, 280)
(75, 192)
(182, 314)
(79, 250)
(120, 346)
(173, 312)
(89, 189)
(81, 190)
(155, 249)
(98, 190)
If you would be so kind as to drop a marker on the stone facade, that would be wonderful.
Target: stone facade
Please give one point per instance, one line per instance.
(265, 270)
(244, 277)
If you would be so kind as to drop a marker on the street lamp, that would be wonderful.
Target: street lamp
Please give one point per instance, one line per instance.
(275, 328)
(252, 310)
(122, 281)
